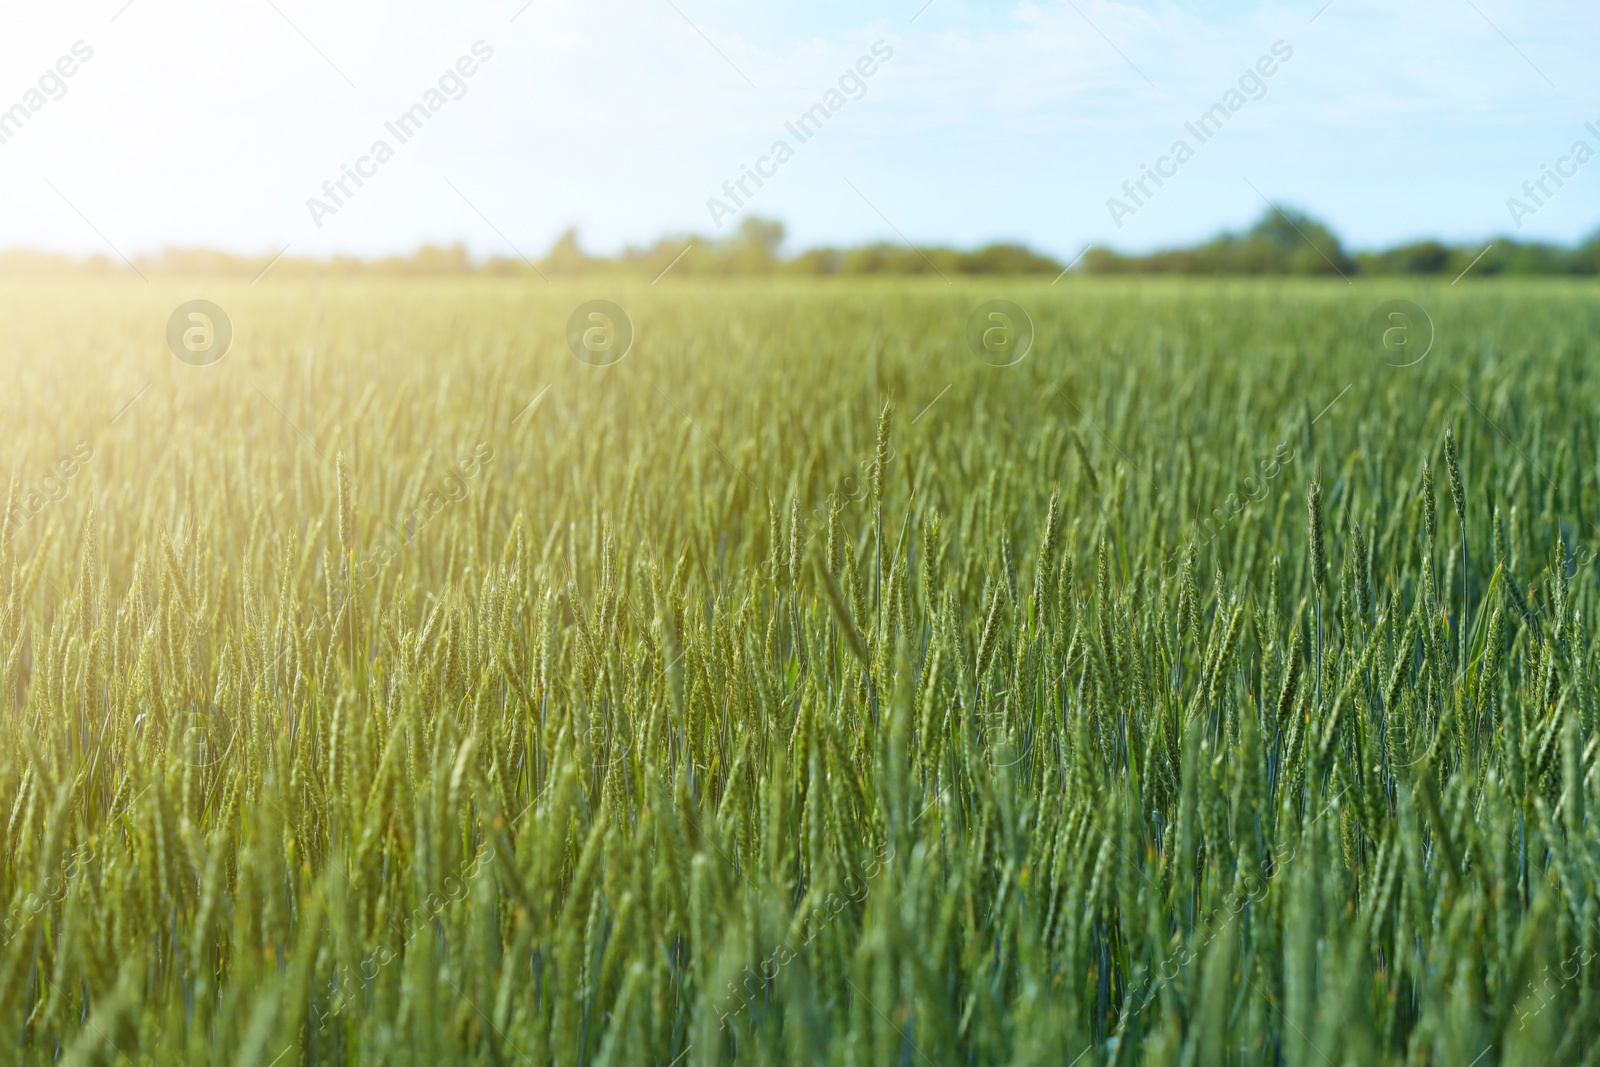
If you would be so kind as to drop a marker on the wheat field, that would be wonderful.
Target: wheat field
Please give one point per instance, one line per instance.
(1203, 688)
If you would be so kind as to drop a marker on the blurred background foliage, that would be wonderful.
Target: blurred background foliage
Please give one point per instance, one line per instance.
(1282, 242)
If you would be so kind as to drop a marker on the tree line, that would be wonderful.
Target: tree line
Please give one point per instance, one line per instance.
(1281, 242)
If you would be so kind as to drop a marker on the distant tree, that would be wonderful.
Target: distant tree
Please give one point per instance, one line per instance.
(1422, 257)
(1281, 242)
(565, 256)
(1005, 259)
(433, 259)
(1586, 257)
(814, 261)
(1301, 244)
(754, 248)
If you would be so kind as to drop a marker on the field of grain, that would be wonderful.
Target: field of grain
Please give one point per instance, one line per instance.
(1203, 688)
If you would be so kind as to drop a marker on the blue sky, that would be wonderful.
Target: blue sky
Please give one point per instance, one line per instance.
(195, 124)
